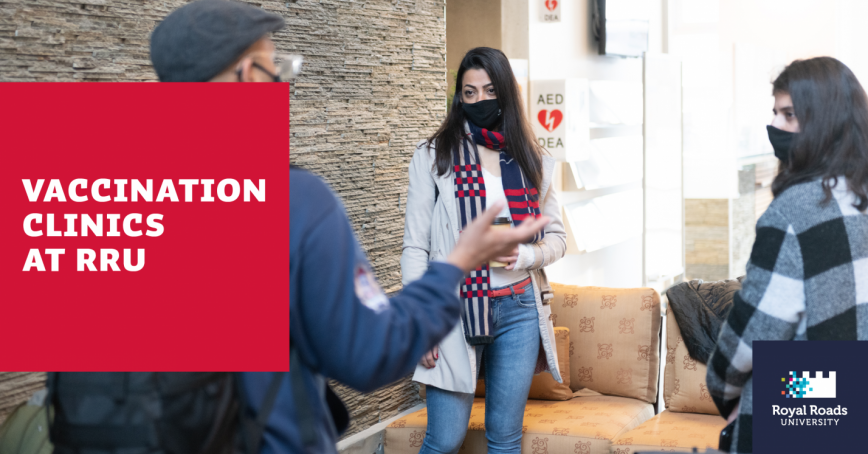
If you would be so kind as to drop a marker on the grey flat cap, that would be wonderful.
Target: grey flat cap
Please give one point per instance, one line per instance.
(199, 40)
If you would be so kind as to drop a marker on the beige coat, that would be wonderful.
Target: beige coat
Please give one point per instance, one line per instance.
(430, 233)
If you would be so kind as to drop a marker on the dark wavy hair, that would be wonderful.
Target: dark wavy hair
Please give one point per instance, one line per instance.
(521, 143)
(832, 110)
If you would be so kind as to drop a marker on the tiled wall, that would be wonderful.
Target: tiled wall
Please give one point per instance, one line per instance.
(719, 247)
(707, 238)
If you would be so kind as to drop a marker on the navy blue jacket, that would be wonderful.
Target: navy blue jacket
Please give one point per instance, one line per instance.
(341, 324)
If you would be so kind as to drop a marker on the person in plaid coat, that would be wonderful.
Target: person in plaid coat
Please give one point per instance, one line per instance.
(807, 278)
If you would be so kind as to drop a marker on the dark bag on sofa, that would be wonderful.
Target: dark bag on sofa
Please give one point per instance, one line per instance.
(701, 308)
(154, 413)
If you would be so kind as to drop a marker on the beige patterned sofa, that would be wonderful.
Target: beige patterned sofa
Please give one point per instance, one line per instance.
(611, 355)
(691, 419)
(579, 425)
(609, 347)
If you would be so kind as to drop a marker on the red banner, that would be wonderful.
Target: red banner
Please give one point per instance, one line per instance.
(144, 227)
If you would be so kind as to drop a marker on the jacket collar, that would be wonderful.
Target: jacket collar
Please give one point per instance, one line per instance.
(446, 185)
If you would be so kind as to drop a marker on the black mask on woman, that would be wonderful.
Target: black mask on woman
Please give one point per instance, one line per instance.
(782, 142)
(485, 114)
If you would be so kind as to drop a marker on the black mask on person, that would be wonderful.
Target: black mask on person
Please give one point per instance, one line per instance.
(485, 114)
(782, 142)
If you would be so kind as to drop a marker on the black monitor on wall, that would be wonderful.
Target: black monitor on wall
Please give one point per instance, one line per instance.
(623, 32)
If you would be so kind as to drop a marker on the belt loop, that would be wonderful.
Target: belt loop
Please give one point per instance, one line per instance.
(512, 289)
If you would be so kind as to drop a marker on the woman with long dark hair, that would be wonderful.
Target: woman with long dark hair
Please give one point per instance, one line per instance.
(483, 152)
(808, 270)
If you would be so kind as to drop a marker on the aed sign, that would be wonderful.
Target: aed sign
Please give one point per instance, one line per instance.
(549, 10)
(560, 117)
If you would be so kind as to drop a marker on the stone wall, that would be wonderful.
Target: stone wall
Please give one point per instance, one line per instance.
(372, 86)
(17, 387)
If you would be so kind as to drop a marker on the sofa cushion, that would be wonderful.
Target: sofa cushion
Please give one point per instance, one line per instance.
(614, 335)
(679, 432)
(583, 425)
(544, 386)
(684, 387)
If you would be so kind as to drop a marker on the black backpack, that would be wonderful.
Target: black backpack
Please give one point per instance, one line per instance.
(154, 413)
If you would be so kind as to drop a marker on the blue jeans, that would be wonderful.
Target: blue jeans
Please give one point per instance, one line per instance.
(509, 365)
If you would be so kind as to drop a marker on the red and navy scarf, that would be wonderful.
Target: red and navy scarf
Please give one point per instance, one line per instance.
(523, 201)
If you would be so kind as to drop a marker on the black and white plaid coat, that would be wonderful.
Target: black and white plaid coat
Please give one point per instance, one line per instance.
(807, 279)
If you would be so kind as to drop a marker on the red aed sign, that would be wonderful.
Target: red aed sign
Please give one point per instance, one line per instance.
(145, 227)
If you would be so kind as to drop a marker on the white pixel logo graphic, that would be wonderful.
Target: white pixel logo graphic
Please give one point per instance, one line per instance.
(807, 387)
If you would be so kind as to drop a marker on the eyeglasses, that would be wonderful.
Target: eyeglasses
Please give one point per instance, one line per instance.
(288, 67)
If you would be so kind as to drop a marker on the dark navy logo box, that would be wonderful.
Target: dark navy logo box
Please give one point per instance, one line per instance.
(825, 427)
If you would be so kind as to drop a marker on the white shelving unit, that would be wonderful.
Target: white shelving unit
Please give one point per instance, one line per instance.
(621, 177)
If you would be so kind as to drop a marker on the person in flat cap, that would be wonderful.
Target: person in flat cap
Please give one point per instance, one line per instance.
(342, 324)
(216, 41)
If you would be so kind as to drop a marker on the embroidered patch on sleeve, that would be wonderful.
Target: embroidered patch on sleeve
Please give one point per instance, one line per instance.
(369, 291)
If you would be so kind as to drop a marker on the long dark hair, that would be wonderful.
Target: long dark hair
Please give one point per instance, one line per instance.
(520, 141)
(832, 110)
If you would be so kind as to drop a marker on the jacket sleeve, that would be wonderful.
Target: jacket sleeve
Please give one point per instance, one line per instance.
(554, 245)
(417, 219)
(770, 306)
(345, 339)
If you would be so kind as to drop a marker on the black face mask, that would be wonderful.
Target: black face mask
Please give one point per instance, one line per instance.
(782, 142)
(485, 114)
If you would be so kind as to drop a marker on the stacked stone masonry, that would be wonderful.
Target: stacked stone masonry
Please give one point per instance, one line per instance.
(16, 388)
(373, 85)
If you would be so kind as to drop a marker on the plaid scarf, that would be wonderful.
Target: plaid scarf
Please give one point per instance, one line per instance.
(470, 196)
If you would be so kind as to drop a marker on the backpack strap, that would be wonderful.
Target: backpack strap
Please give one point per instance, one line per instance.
(303, 407)
(254, 429)
(50, 380)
